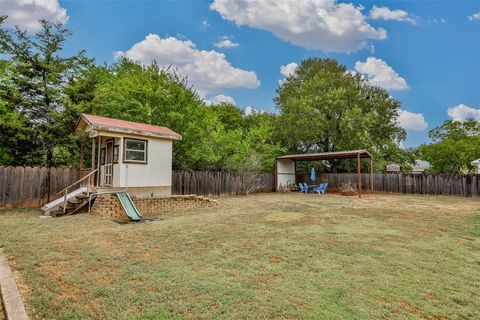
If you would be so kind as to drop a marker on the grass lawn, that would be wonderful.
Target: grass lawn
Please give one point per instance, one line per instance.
(261, 256)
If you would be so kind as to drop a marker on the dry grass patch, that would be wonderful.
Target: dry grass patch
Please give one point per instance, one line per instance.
(261, 256)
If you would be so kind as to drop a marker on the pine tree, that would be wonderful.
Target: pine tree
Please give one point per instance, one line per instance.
(35, 81)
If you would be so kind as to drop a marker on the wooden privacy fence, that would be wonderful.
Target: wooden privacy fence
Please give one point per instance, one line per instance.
(427, 184)
(209, 183)
(27, 187)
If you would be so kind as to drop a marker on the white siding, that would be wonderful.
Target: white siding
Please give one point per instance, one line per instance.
(157, 171)
(285, 172)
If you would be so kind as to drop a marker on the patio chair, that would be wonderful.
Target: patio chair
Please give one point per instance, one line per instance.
(307, 188)
(321, 189)
(300, 187)
(303, 187)
(318, 189)
(325, 185)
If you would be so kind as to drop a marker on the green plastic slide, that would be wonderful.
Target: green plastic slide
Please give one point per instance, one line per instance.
(129, 206)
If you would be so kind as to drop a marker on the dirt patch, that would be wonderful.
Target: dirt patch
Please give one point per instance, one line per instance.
(412, 309)
(276, 259)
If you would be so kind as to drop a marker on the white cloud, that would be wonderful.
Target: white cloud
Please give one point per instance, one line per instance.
(316, 24)
(463, 112)
(412, 121)
(287, 70)
(379, 73)
(219, 99)
(208, 71)
(474, 17)
(248, 111)
(27, 13)
(225, 42)
(384, 13)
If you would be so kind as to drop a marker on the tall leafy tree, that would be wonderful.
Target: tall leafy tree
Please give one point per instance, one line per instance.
(325, 108)
(34, 85)
(14, 135)
(251, 147)
(14, 131)
(455, 145)
(152, 95)
(229, 115)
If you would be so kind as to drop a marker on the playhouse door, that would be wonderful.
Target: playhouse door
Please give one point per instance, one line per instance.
(108, 168)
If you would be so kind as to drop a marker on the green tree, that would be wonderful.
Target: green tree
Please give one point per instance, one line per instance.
(455, 145)
(252, 147)
(149, 94)
(14, 136)
(229, 115)
(14, 131)
(34, 86)
(325, 108)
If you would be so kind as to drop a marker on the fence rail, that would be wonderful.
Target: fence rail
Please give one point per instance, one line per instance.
(426, 184)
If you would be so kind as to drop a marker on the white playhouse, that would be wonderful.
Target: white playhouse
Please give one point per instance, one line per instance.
(130, 155)
(128, 158)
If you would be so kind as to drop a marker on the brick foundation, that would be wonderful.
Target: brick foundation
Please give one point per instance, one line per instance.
(108, 206)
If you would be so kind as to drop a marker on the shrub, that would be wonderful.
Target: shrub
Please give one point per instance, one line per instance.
(347, 187)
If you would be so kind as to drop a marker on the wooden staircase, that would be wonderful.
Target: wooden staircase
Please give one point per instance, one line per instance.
(74, 205)
(73, 202)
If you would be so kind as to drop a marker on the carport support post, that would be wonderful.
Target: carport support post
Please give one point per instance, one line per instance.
(371, 174)
(276, 175)
(359, 176)
(295, 172)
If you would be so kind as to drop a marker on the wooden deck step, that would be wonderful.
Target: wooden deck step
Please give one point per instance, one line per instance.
(75, 201)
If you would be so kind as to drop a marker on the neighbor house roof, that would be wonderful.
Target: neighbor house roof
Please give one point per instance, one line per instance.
(328, 155)
(121, 126)
(421, 165)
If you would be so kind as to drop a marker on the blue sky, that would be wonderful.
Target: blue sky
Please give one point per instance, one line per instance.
(425, 53)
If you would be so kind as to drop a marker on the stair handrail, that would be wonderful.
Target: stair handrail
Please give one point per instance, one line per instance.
(65, 190)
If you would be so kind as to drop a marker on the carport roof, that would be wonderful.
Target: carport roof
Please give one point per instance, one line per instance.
(327, 155)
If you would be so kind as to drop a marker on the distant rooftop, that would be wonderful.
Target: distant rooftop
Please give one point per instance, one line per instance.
(421, 165)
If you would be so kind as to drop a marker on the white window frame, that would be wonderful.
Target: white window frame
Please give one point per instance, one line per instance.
(125, 149)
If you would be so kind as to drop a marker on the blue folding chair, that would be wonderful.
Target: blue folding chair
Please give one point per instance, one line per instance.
(325, 188)
(307, 188)
(303, 187)
(318, 189)
(300, 187)
(321, 189)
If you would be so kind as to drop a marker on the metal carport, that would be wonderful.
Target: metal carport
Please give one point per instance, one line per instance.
(286, 166)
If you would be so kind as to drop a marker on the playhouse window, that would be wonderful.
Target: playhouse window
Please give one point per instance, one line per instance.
(136, 150)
